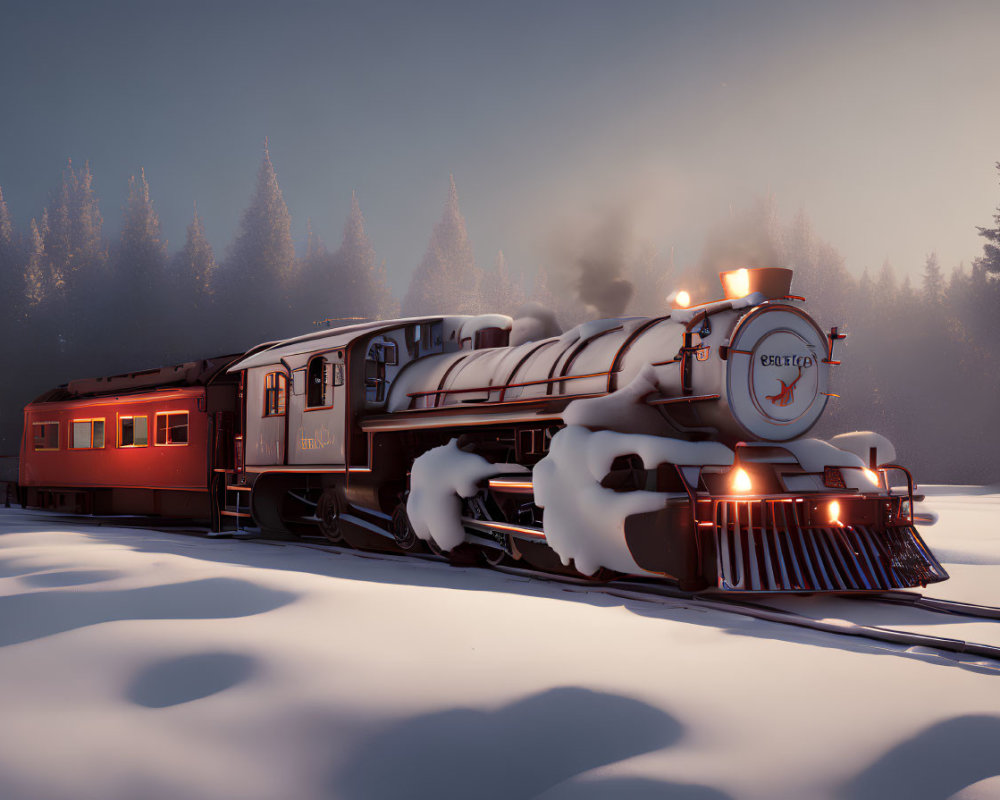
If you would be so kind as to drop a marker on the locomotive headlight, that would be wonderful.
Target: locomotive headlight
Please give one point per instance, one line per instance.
(679, 299)
(741, 481)
(834, 509)
(870, 474)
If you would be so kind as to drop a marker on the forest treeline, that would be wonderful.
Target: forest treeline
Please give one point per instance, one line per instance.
(919, 364)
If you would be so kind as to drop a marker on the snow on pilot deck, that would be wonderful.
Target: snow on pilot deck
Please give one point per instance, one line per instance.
(141, 664)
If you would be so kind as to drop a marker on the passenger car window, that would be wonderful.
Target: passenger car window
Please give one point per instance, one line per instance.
(172, 427)
(45, 435)
(133, 431)
(87, 434)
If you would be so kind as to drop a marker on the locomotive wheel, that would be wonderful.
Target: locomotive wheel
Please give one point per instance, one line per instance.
(433, 547)
(463, 555)
(328, 514)
(402, 531)
(495, 557)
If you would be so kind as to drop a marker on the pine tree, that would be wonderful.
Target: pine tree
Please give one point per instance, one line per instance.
(143, 251)
(318, 289)
(6, 226)
(447, 280)
(10, 276)
(933, 280)
(73, 239)
(141, 298)
(885, 287)
(196, 263)
(36, 276)
(501, 294)
(188, 295)
(258, 276)
(991, 250)
(363, 278)
(315, 248)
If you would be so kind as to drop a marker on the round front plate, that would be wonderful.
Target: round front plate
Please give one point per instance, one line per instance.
(784, 376)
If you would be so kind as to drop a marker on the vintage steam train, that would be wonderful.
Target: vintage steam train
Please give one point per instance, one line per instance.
(668, 447)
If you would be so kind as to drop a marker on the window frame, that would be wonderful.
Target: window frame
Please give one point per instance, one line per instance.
(279, 391)
(327, 390)
(93, 421)
(37, 449)
(156, 428)
(132, 417)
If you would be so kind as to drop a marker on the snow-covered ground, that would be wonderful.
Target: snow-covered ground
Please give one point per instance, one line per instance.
(140, 664)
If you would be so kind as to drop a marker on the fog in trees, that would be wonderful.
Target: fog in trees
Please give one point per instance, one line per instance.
(919, 363)
(135, 304)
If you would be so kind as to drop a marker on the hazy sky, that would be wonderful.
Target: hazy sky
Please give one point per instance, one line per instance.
(880, 120)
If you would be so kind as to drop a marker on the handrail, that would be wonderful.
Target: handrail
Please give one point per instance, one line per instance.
(502, 388)
(884, 469)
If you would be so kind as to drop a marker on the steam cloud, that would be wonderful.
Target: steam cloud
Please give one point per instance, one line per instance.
(748, 239)
(600, 283)
(592, 261)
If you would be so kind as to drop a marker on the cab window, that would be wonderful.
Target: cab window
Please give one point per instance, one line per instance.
(316, 391)
(275, 390)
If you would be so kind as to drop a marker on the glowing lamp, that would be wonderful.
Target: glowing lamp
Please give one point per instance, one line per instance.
(834, 509)
(736, 283)
(741, 481)
(872, 476)
(682, 300)
(773, 282)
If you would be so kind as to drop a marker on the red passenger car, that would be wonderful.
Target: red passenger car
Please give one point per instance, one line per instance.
(143, 443)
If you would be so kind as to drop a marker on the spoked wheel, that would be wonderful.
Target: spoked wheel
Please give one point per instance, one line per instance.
(328, 514)
(402, 531)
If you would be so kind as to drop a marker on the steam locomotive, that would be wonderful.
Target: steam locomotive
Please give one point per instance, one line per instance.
(669, 447)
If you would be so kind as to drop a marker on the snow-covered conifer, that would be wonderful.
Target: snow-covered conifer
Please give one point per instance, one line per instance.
(259, 269)
(36, 283)
(991, 250)
(500, 292)
(447, 279)
(195, 263)
(933, 281)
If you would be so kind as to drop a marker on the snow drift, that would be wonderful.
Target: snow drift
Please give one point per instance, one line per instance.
(440, 478)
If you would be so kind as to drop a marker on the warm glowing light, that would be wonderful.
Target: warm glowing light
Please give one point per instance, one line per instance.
(872, 477)
(835, 512)
(683, 299)
(737, 283)
(741, 481)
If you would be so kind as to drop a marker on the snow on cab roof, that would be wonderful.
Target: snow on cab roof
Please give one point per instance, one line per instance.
(273, 352)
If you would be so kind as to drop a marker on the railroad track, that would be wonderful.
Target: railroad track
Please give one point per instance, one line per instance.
(648, 591)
